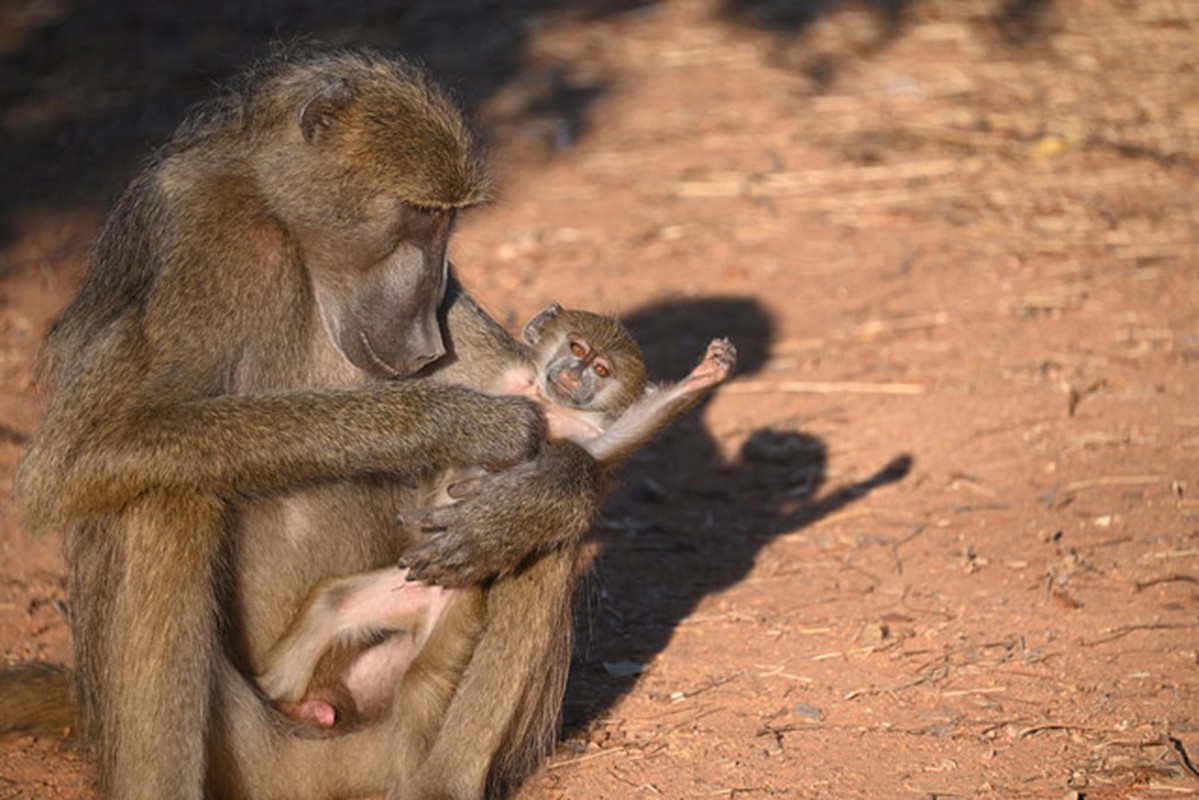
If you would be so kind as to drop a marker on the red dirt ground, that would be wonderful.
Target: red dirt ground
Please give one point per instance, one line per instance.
(940, 538)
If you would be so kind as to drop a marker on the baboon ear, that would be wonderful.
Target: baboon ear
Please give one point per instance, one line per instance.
(320, 112)
(536, 325)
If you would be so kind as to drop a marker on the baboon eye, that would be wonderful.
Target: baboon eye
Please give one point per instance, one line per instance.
(602, 370)
(578, 349)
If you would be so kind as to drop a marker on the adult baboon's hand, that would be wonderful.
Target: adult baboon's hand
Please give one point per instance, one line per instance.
(507, 518)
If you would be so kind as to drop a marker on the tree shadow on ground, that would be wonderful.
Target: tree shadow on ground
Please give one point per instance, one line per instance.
(1017, 22)
(1020, 20)
(685, 522)
(86, 88)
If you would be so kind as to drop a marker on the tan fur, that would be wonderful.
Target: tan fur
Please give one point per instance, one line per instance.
(225, 433)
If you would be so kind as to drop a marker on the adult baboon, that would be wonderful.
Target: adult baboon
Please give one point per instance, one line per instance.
(267, 361)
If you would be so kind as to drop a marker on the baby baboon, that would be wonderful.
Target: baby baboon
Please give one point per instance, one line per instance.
(588, 374)
(225, 395)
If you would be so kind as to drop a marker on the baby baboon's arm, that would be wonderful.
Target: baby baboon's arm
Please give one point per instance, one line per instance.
(657, 407)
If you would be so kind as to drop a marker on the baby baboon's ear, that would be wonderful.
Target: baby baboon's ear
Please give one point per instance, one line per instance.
(536, 326)
(322, 109)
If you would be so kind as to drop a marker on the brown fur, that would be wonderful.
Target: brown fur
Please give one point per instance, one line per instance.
(225, 433)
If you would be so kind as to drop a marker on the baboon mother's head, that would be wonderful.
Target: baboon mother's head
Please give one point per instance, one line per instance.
(366, 163)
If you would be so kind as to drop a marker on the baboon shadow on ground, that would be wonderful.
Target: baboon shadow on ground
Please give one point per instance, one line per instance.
(683, 522)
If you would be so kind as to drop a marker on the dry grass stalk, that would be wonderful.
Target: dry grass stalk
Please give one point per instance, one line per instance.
(589, 757)
(824, 387)
(1114, 480)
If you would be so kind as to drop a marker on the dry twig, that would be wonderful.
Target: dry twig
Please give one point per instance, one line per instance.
(1112, 634)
